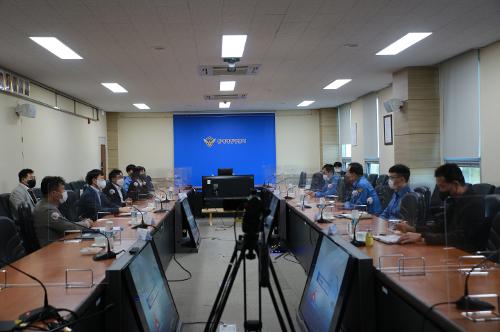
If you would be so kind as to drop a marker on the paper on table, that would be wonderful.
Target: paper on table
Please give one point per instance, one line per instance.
(387, 239)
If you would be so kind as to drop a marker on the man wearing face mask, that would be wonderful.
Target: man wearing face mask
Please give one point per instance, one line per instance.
(146, 179)
(128, 179)
(49, 223)
(399, 175)
(362, 191)
(23, 193)
(337, 167)
(93, 203)
(114, 187)
(465, 226)
(331, 181)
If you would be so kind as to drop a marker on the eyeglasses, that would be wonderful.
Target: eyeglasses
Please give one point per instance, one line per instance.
(394, 177)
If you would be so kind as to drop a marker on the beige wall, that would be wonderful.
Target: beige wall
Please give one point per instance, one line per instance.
(357, 117)
(53, 143)
(490, 113)
(386, 151)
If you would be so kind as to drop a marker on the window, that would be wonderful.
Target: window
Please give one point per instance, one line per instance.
(372, 167)
(346, 151)
(471, 169)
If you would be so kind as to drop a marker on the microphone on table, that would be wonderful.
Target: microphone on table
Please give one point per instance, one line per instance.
(161, 202)
(288, 191)
(469, 303)
(142, 224)
(321, 220)
(109, 254)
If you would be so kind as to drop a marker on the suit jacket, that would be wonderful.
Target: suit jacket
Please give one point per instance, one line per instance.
(113, 194)
(18, 197)
(91, 202)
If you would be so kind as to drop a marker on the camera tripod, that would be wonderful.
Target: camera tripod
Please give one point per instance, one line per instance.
(249, 246)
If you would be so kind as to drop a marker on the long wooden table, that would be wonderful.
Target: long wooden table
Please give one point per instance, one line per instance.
(49, 264)
(403, 302)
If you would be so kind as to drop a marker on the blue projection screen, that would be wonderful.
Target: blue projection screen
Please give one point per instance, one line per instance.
(204, 143)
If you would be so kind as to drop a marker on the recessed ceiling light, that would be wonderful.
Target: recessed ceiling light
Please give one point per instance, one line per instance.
(337, 84)
(404, 42)
(305, 103)
(227, 85)
(224, 104)
(350, 45)
(115, 87)
(56, 47)
(142, 106)
(233, 46)
(158, 48)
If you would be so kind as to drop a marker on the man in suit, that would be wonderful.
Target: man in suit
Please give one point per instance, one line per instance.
(23, 193)
(362, 190)
(128, 179)
(93, 202)
(114, 187)
(48, 221)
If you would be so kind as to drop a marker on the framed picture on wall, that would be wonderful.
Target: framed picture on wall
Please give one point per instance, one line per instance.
(388, 129)
(2, 84)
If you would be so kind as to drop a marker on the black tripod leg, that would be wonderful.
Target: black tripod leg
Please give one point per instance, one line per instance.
(277, 309)
(213, 324)
(221, 289)
(282, 297)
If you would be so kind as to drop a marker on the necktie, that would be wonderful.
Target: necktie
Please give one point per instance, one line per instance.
(32, 195)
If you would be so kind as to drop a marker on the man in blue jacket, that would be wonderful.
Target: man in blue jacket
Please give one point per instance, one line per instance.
(93, 202)
(362, 191)
(331, 180)
(399, 175)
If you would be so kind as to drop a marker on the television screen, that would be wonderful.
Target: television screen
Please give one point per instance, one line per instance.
(150, 293)
(269, 219)
(192, 225)
(326, 287)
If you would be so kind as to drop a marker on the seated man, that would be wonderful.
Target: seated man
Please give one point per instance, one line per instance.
(48, 221)
(138, 188)
(93, 202)
(114, 187)
(465, 226)
(148, 182)
(128, 179)
(362, 191)
(331, 181)
(337, 167)
(399, 175)
(23, 193)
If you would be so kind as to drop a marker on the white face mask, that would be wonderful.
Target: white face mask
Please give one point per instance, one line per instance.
(325, 177)
(391, 184)
(338, 170)
(64, 197)
(120, 182)
(101, 184)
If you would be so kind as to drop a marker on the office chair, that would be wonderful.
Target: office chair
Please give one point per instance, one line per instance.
(372, 178)
(76, 186)
(11, 248)
(382, 180)
(69, 208)
(494, 236)
(384, 194)
(410, 208)
(27, 230)
(317, 181)
(491, 206)
(497, 191)
(425, 192)
(483, 188)
(5, 206)
(302, 179)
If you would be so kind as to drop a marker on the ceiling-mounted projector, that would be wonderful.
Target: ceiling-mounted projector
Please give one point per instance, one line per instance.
(393, 105)
(26, 110)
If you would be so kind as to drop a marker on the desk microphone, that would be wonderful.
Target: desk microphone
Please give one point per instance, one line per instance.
(355, 241)
(41, 313)
(469, 303)
(142, 224)
(161, 204)
(321, 220)
(166, 200)
(287, 191)
(101, 256)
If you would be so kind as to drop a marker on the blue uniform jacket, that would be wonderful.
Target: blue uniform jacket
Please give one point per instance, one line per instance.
(392, 210)
(362, 189)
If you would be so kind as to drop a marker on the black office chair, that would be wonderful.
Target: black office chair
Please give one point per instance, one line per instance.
(384, 194)
(5, 206)
(27, 230)
(494, 236)
(11, 248)
(69, 208)
(425, 192)
(410, 208)
(483, 188)
(76, 186)
(382, 180)
(302, 179)
(491, 206)
(372, 178)
(497, 191)
(317, 181)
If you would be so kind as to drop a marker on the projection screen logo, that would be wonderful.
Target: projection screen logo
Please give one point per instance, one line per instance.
(210, 141)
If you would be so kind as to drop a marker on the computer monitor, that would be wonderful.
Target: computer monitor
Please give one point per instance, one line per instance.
(327, 287)
(190, 223)
(149, 293)
(224, 171)
(270, 219)
(221, 187)
(164, 239)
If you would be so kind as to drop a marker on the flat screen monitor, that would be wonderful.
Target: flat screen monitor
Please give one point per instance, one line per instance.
(326, 290)
(220, 187)
(224, 171)
(269, 219)
(191, 224)
(150, 293)
(163, 240)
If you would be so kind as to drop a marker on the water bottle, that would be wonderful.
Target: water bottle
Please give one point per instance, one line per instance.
(157, 203)
(133, 214)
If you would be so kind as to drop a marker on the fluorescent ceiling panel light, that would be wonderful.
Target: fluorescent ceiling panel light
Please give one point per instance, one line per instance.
(227, 85)
(226, 104)
(56, 47)
(233, 45)
(404, 42)
(337, 84)
(305, 103)
(115, 87)
(142, 106)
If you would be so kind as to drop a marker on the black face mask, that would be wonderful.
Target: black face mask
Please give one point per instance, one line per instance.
(31, 183)
(443, 195)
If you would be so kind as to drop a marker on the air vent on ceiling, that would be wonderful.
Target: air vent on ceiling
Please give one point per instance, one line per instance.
(223, 70)
(227, 97)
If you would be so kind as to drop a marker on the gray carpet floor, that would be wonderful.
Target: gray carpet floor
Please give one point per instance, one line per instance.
(194, 298)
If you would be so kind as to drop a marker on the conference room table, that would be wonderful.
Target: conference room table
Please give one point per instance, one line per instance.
(49, 265)
(413, 291)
